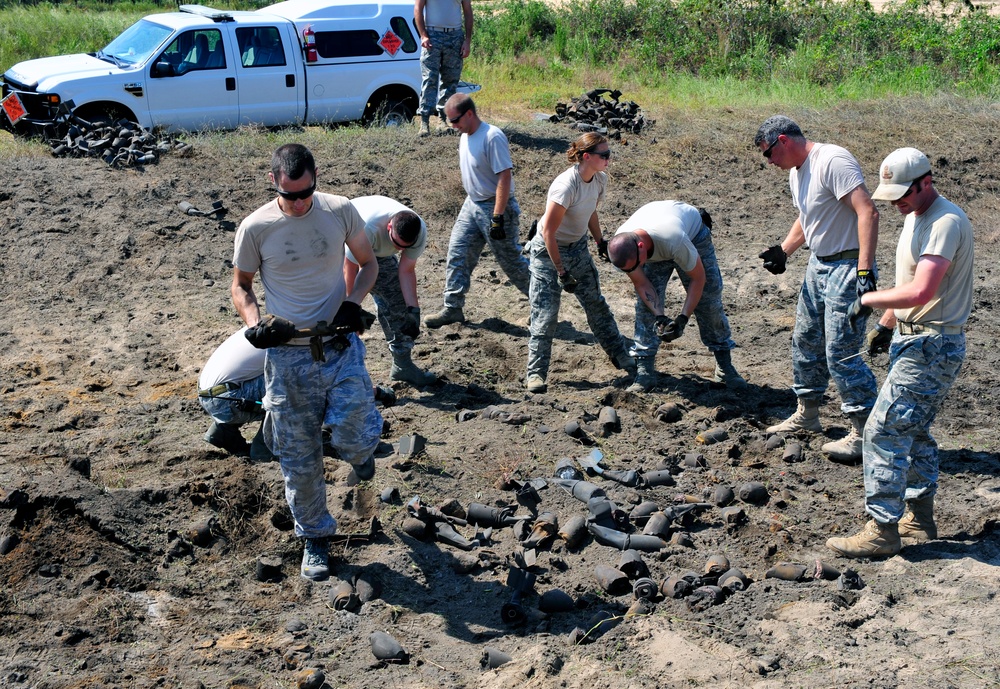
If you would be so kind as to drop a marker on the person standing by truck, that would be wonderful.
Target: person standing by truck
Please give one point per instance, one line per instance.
(490, 213)
(398, 237)
(445, 28)
(297, 243)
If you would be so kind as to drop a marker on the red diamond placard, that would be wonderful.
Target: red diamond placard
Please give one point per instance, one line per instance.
(12, 106)
(390, 42)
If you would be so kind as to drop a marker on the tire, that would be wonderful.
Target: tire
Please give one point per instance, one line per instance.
(391, 112)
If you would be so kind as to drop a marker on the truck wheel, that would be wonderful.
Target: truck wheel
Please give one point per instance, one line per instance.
(105, 115)
(391, 113)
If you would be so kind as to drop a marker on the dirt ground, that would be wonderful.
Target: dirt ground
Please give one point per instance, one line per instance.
(114, 299)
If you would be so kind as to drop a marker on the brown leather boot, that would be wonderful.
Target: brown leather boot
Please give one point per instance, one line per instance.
(918, 522)
(875, 540)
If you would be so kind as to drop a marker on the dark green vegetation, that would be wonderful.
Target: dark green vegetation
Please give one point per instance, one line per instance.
(907, 47)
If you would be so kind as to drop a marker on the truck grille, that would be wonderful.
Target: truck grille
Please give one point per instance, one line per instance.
(32, 102)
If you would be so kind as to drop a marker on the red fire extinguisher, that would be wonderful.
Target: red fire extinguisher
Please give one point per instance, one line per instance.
(309, 38)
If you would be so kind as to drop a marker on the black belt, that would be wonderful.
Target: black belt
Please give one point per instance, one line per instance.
(921, 328)
(217, 390)
(842, 256)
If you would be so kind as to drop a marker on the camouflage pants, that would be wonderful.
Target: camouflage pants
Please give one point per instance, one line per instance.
(823, 338)
(469, 235)
(390, 307)
(237, 406)
(545, 296)
(304, 395)
(440, 70)
(713, 326)
(900, 455)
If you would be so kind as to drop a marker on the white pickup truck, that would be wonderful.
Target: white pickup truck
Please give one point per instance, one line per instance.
(292, 63)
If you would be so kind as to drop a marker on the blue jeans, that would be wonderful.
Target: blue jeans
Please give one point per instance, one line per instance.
(823, 338)
(302, 396)
(713, 326)
(469, 235)
(900, 455)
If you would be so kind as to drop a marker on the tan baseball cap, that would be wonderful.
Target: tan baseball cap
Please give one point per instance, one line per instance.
(898, 171)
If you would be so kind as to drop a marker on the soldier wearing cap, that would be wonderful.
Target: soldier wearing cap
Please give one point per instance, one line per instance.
(839, 223)
(922, 329)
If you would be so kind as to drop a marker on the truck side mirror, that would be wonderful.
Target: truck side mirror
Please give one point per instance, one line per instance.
(162, 69)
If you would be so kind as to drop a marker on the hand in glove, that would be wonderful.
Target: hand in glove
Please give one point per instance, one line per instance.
(878, 339)
(774, 259)
(858, 311)
(567, 281)
(602, 250)
(675, 329)
(349, 317)
(270, 331)
(662, 323)
(411, 322)
(866, 282)
(496, 228)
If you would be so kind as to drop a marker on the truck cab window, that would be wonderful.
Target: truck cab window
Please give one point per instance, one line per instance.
(194, 50)
(260, 46)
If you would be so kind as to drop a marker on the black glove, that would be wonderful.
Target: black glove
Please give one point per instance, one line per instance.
(496, 228)
(866, 282)
(774, 259)
(411, 322)
(270, 331)
(878, 339)
(675, 329)
(857, 312)
(349, 317)
(602, 250)
(662, 323)
(567, 281)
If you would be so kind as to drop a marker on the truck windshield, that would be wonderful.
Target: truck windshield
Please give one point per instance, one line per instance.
(136, 43)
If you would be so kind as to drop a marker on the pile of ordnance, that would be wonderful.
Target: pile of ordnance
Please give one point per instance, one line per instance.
(602, 111)
(119, 144)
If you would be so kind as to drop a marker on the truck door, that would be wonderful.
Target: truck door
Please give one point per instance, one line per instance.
(192, 83)
(270, 90)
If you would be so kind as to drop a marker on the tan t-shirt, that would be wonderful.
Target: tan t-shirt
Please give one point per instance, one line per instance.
(300, 260)
(942, 230)
(579, 198)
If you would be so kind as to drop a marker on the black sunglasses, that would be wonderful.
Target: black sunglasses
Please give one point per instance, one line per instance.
(910, 189)
(767, 151)
(454, 120)
(296, 195)
(398, 244)
(606, 155)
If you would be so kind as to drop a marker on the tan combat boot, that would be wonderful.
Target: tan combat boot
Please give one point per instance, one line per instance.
(805, 418)
(918, 522)
(847, 450)
(425, 126)
(875, 540)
